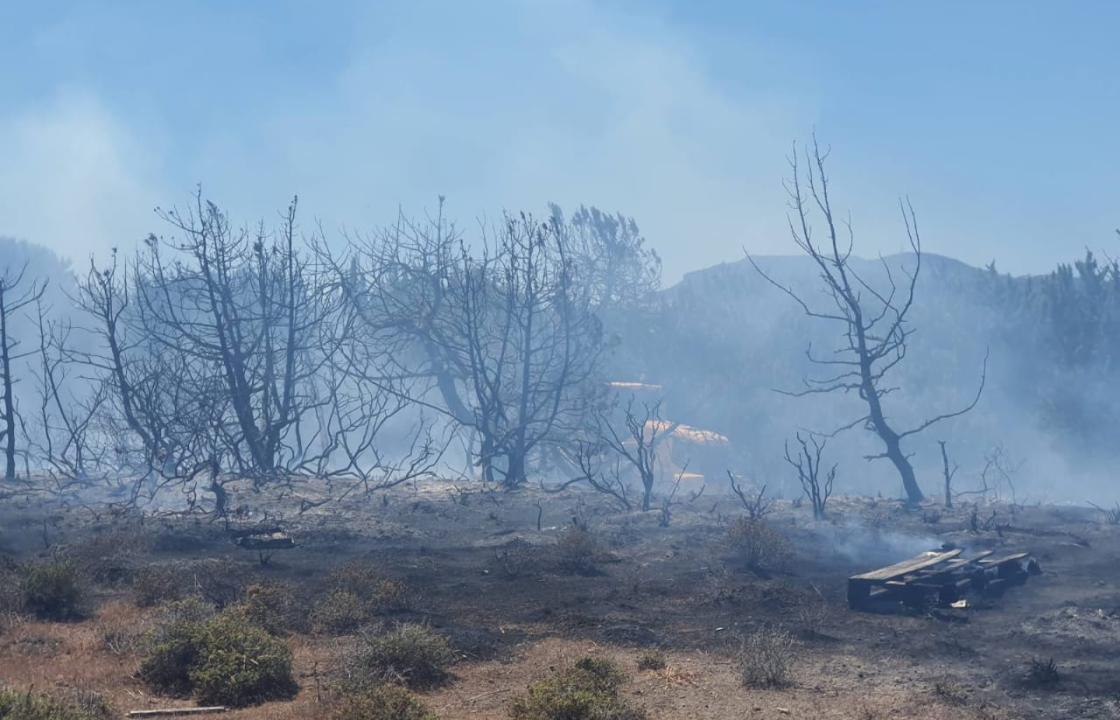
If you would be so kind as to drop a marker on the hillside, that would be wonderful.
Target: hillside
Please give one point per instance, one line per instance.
(724, 340)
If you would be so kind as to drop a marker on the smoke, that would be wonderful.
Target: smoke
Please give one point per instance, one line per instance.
(863, 545)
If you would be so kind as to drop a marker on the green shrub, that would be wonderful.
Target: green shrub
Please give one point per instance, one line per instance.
(412, 655)
(52, 590)
(16, 705)
(240, 665)
(757, 545)
(383, 702)
(220, 661)
(586, 691)
(174, 650)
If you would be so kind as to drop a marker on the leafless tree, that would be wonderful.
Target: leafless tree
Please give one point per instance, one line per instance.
(874, 322)
(65, 435)
(806, 460)
(636, 438)
(754, 499)
(601, 469)
(507, 344)
(15, 295)
(228, 353)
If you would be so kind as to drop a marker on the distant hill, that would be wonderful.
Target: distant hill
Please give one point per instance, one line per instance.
(724, 340)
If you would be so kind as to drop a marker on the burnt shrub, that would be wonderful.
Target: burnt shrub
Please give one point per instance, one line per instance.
(382, 702)
(16, 705)
(220, 661)
(757, 545)
(53, 590)
(1042, 673)
(586, 691)
(766, 658)
(577, 550)
(410, 654)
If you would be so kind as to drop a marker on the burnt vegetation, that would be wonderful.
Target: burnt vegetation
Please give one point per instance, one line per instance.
(429, 472)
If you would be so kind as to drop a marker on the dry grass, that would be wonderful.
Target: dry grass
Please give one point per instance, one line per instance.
(766, 658)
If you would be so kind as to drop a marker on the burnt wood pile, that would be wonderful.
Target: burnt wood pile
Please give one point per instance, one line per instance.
(939, 579)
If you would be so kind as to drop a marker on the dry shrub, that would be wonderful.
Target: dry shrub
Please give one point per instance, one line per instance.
(220, 661)
(757, 545)
(357, 577)
(53, 590)
(813, 616)
(586, 691)
(11, 594)
(382, 702)
(121, 629)
(652, 660)
(156, 585)
(339, 613)
(356, 595)
(219, 581)
(15, 705)
(766, 658)
(274, 607)
(577, 549)
(110, 556)
(411, 655)
(949, 691)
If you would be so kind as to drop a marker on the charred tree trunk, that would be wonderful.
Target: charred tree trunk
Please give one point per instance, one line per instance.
(9, 404)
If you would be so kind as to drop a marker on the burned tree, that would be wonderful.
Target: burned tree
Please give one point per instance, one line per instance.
(806, 460)
(753, 497)
(245, 307)
(601, 469)
(949, 473)
(14, 296)
(873, 322)
(498, 328)
(226, 352)
(65, 436)
(530, 347)
(637, 440)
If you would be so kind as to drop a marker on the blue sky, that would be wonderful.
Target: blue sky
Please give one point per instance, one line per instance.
(998, 119)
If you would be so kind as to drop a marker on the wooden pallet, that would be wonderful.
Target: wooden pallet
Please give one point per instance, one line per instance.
(937, 578)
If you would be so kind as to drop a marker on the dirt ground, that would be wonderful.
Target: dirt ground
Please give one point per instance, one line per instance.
(481, 573)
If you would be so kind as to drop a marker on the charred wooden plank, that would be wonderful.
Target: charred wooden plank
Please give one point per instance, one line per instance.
(170, 712)
(925, 560)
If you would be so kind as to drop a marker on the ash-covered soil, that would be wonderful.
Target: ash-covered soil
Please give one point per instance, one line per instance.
(516, 603)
